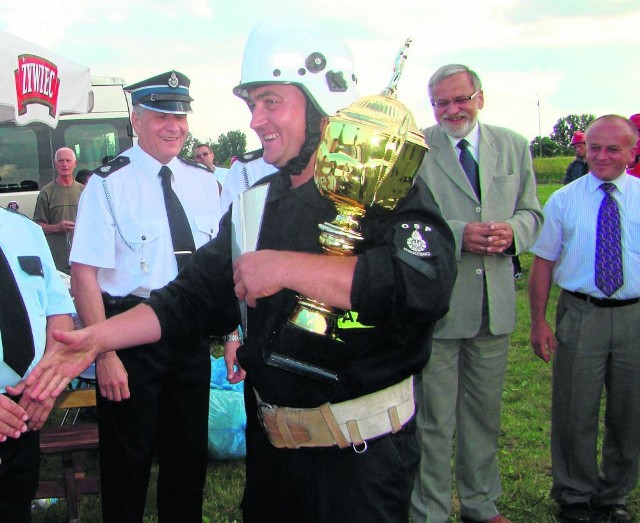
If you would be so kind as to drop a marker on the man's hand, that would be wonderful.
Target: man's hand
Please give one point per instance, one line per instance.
(112, 377)
(66, 225)
(540, 279)
(13, 417)
(543, 340)
(487, 237)
(37, 412)
(235, 373)
(326, 279)
(56, 228)
(72, 353)
(256, 275)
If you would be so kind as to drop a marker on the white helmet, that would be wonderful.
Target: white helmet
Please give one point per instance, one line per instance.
(293, 52)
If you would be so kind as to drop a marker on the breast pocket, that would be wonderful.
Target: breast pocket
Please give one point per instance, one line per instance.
(509, 178)
(207, 226)
(32, 282)
(142, 241)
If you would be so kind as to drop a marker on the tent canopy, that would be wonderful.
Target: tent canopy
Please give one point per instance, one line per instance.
(37, 85)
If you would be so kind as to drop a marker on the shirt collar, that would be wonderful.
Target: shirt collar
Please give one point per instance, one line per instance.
(473, 137)
(149, 166)
(621, 182)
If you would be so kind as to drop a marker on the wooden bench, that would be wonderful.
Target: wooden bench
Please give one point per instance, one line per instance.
(72, 441)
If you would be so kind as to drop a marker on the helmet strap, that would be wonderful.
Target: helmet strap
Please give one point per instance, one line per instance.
(312, 139)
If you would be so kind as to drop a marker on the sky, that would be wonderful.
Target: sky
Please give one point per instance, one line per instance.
(539, 60)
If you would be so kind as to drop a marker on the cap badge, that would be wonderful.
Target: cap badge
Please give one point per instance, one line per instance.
(173, 80)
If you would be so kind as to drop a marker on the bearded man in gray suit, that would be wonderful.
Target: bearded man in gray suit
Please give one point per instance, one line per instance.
(482, 178)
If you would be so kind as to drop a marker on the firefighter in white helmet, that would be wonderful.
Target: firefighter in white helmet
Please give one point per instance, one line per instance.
(322, 446)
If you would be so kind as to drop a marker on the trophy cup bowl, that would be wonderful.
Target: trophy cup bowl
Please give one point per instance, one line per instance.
(367, 159)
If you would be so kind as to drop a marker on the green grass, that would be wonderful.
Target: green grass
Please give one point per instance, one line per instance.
(551, 170)
(524, 443)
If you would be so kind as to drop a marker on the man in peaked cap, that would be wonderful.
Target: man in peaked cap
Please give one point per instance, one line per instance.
(139, 220)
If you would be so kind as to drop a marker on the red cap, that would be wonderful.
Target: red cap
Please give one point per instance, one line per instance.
(578, 137)
(635, 118)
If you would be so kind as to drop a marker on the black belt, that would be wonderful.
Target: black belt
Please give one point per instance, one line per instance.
(603, 302)
(117, 304)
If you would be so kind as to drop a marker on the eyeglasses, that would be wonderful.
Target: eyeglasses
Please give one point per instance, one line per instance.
(461, 100)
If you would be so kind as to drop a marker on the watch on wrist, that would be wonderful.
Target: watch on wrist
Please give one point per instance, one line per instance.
(232, 337)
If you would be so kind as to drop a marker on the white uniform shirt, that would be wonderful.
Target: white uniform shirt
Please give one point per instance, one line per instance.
(122, 226)
(236, 183)
(221, 174)
(43, 294)
(568, 235)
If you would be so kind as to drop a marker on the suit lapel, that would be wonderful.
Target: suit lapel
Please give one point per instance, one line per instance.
(488, 160)
(445, 157)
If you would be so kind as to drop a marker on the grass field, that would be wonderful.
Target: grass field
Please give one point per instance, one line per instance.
(551, 170)
(524, 444)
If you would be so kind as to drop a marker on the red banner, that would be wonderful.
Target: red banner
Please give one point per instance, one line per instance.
(37, 82)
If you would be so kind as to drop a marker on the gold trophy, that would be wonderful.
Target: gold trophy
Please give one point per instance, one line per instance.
(368, 157)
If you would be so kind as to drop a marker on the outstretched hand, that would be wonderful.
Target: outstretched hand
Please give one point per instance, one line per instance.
(65, 359)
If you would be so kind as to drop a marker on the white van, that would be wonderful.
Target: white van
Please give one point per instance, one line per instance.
(26, 152)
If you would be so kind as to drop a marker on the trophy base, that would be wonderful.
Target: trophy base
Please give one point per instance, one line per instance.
(314, 316)
(301, 368)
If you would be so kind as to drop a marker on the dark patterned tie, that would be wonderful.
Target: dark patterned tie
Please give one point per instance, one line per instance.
(17, 338)
(181, 236)
(608, 243)
(469, 165)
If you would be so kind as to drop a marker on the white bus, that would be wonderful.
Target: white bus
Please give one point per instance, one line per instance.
(26, 152)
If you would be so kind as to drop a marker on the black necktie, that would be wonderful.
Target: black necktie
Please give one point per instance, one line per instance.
(17, 338)
(181, 237)
(469, 165)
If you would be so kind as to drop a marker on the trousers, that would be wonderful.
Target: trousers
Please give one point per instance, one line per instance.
(166, 416)
(328, 484)
(459, 395)
(597, 351)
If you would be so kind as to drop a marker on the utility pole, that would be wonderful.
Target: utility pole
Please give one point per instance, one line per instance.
(539, 128)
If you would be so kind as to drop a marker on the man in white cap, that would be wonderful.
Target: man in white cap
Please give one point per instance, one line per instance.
(339, 442)
(140, 219)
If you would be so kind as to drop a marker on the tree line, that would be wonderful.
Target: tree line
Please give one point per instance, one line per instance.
(233, 143)
(558, 142)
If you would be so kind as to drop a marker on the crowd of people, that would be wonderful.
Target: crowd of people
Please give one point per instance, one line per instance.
(364, 425)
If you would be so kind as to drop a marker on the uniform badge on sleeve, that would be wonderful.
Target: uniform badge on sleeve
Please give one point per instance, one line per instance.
(418, 246)
(414, 239)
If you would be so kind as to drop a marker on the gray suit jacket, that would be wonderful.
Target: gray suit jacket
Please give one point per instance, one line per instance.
(508, 192)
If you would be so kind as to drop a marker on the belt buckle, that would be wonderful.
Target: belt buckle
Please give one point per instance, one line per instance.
(262, 405)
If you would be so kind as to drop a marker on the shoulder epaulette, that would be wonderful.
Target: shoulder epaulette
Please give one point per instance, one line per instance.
(15, 211)
(250, 156)
(108, 168)
(193, 163)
